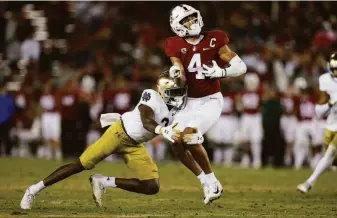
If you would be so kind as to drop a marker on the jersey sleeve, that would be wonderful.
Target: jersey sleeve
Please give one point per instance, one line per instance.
(149, 98)
(222, 36)
(171, 48)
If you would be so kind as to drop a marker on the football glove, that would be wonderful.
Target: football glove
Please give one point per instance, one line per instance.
(213, 72)
(193, 138)
(175, 71)
(168, 132)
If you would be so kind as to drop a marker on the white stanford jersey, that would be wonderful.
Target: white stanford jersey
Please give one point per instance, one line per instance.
(328, 84)
(132, 120)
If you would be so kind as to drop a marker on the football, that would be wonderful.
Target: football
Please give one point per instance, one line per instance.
(220, 63)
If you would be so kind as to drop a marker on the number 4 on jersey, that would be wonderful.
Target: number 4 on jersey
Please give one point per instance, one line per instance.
(195, 66)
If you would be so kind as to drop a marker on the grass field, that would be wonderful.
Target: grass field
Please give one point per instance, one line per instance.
(248, 193)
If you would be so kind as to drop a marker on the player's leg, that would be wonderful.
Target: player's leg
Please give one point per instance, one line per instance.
(187, 159)
(138, 160)
(228, 155)
(46, 136)
(317, 142)
(184, 155)
(218, 154)
(330, 139)
(230, 125)
(286, 128)
(57, 136)
(90, 157)
(301, 146)
(199, 153)
(256, 139)
(215, 136)
(204, 118)
(245, 130)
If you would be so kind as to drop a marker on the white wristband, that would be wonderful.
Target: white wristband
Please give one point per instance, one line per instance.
(236, 67)
(157, 129)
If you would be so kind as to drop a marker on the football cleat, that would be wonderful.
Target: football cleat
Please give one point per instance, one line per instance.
(27, 200)
(304, 187)
(97, 189)
(214, 192)
(206, 190)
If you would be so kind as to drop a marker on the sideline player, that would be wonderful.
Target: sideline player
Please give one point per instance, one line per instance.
(191, 53)
(289, 122)
(251, 120)
(305, 126)
(126, 136)
(221, 135)
(326, 105)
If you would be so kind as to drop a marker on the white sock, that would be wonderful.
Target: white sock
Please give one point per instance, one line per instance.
(211, 177)
(245, 161)
(58, 154)
(323, 164)
(109, 182)
(36, 188)
(217, 155)
(202, 177)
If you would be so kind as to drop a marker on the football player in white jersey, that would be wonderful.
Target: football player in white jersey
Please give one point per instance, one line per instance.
(126, 134)
(326, 105)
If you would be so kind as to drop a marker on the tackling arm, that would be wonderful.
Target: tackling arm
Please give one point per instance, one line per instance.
(147, 117)
(324, 104)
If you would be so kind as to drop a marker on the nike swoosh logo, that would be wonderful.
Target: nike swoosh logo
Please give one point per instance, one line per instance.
(205, 49)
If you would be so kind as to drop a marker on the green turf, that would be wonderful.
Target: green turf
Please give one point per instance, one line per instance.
(248, 193)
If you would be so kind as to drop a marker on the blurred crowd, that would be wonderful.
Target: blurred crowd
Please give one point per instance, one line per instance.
(64, 63)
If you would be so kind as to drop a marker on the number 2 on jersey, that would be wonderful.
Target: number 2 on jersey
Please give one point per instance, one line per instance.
(195, 66)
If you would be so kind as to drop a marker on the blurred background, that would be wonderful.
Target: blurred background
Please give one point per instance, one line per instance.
(62, 64)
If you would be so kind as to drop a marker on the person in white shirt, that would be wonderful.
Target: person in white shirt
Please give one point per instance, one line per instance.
(326, 105)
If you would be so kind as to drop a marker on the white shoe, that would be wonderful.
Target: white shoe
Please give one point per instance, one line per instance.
(206, 190)
(27, 200)
(304, 187)
(97, 189)
(214, 192)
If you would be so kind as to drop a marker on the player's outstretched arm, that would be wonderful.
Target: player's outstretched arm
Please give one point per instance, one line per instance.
(147, 117)
(324, 104)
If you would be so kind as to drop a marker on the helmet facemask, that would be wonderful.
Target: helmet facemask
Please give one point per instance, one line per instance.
(175, 97)
(172, 94)
(191, 24)
(186, 21)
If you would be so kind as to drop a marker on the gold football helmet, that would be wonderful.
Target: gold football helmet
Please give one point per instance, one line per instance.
(172, 93)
